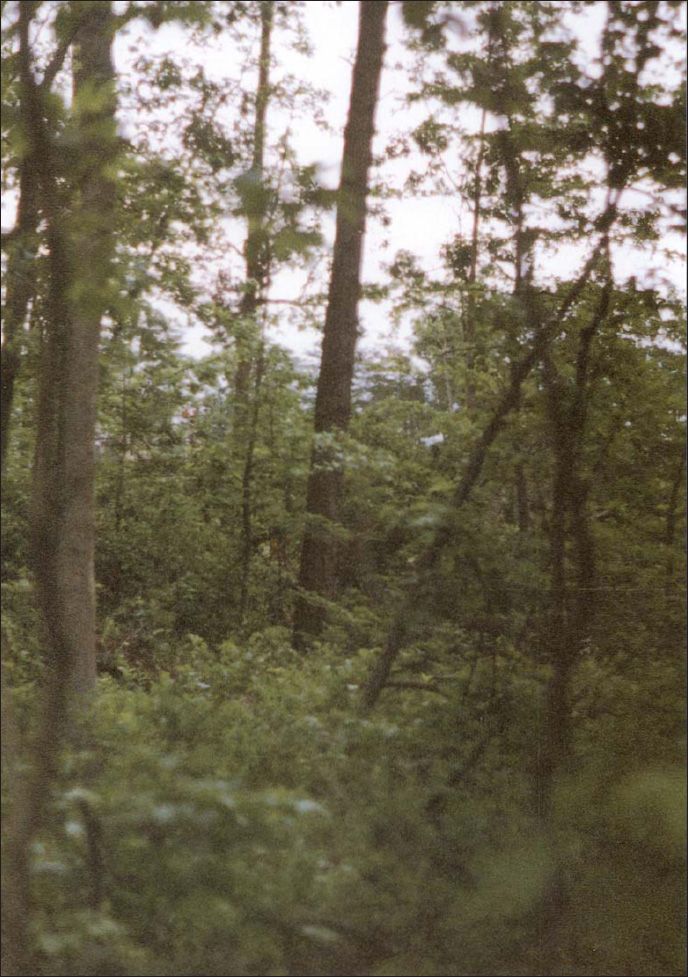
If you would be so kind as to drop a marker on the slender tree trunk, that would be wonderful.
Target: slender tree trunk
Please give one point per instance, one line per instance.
(120, 484)
(516, 195)
(570, 616)
(257, 257)
(318, 568)
(670, 532)
(470, 333)
(256, 248)
(20, 276)
(522, 501)
(556, 735)
(673, 614)
(21, 283)
(545, 330)
(247, 490)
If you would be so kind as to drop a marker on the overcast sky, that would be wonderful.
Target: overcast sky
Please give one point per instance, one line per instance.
(418, 225)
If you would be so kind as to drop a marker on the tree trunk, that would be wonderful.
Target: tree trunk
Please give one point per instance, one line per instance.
(63, 506)
(20, 274)
(63, 494)
(545, 330)
(21, 282)
(570, 616)
(256, 248)
(470, 331)
(257, 257)
(562, 643)
(318, 570)
(522, 502)
(671, 519)
(247, 491)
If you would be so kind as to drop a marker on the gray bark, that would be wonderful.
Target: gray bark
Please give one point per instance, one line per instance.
(79, 249)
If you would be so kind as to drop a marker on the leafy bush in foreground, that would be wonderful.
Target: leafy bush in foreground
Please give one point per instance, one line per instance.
(240, 817)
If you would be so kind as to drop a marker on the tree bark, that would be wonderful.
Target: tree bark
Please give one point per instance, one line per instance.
(570, 615)
(21, 283)
(22, 250)
(470, 332)
(522, 501)
(63, 506)
(318, 569)
(247, 491)
(256, 248)
(79, 246)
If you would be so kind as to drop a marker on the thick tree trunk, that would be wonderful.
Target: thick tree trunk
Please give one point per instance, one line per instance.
(318, 570)
(80, 245)
(79, 248)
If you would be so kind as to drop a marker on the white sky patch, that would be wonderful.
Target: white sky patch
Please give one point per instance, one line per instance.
(419, 225)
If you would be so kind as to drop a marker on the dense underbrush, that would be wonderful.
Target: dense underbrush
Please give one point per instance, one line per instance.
(236, 814)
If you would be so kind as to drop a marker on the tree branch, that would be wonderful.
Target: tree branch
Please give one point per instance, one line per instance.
(57, 63)
(543, 336)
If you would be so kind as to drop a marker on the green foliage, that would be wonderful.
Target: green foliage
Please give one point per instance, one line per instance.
(237, 817)
(223, 806)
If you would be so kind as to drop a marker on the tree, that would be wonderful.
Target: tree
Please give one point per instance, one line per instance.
(80, 242)
(22, 245)
(529, 317)
(20, 289)
(318, 567)
(478, 768)
(79, 238)
(257, 254)
(255, 195)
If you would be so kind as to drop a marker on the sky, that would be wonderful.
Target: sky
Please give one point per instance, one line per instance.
(419, 225)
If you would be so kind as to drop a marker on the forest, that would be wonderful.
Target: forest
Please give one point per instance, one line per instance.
(343, 488)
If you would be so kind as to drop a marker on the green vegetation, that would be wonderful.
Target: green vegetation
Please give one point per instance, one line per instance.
(382, 675)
